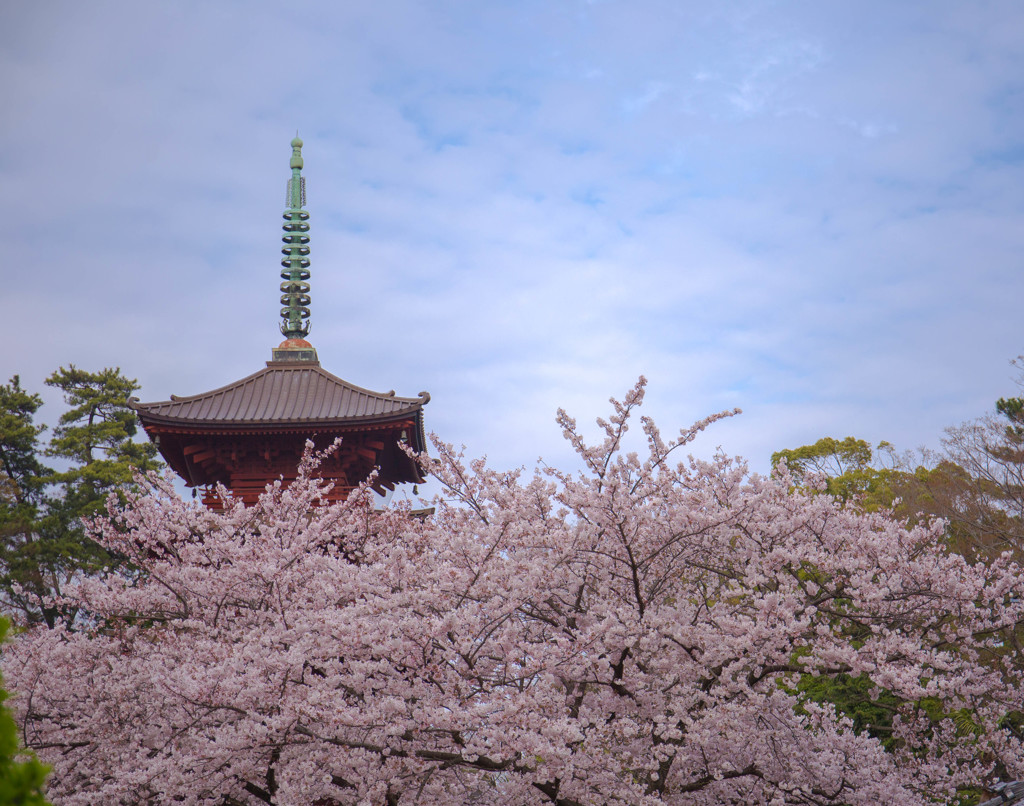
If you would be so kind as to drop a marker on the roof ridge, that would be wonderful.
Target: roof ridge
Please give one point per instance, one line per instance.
(422, 397)
(382, 395)
(200, 395)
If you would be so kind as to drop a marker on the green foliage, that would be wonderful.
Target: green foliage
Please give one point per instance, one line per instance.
(828, 456)
(23, 473)
(1012, 408)
(871, 709)
(1012, 447)
(979, 485)
(22, 493)
(21, 775)
(96, 435)
(42, 541)
(849, 467)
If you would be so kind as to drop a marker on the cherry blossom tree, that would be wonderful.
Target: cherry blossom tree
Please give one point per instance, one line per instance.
(645, 631)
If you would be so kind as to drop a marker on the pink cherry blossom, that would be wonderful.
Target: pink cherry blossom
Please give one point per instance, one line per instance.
(632, 634)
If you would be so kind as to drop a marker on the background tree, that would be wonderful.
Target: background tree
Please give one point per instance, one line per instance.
(850, 469)
(42, 511)
(23, 499)
(22, 473)
(96, 435)
(975, 482)
(634, 634)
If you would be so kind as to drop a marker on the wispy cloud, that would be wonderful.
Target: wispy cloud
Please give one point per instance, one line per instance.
(808, 211)
(651, 93)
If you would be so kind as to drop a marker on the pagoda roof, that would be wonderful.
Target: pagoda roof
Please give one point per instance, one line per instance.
(283, 396)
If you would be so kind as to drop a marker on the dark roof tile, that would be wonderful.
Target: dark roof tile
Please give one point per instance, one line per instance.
(282, 394)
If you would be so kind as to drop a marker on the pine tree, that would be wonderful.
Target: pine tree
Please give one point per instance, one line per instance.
(42, 540)
(23, 499)
(96, 436)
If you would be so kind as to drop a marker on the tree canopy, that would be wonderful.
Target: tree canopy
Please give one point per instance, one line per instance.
(850, 467)
(96, 435)
(43, 543)
(975, 481)
(638, 633)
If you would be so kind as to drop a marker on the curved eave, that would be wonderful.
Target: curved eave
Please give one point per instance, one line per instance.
(148, 417)
(282, 396)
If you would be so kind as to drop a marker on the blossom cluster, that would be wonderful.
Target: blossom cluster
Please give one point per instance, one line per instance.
(647, 631)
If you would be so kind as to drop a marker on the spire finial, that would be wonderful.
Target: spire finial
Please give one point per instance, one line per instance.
(295, 272)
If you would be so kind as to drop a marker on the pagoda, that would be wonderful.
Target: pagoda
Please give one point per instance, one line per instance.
(253, 431)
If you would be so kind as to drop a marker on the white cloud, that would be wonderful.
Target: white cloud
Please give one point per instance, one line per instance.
(807, 211)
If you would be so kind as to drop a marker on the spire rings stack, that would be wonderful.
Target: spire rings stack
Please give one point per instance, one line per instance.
(295, 297)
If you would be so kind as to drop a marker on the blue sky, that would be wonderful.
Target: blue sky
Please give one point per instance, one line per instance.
(812, 211)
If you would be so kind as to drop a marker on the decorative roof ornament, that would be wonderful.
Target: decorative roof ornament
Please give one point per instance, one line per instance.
(253, 432)
(295, 272)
